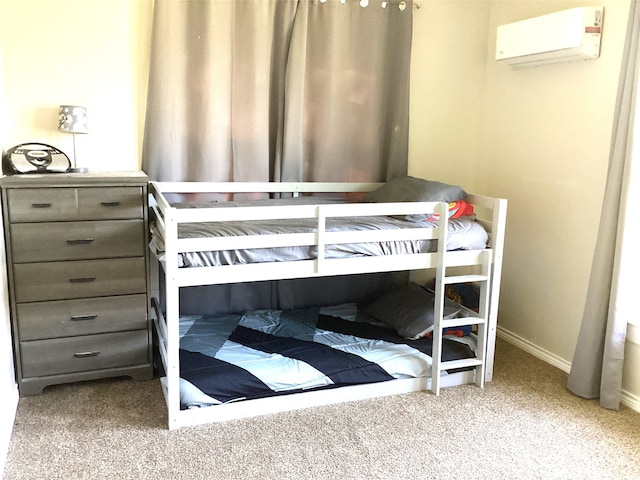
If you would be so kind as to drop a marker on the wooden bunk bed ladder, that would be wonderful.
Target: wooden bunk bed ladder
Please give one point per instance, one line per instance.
(481, 321)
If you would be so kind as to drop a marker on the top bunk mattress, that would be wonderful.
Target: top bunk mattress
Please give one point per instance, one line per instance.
(463, 233)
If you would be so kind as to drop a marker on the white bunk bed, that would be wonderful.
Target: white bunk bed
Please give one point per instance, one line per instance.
(481, 266)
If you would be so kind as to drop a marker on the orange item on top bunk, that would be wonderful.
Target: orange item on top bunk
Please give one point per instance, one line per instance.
(459, 208)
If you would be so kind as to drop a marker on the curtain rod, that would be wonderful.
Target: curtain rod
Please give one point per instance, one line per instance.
(402, 4)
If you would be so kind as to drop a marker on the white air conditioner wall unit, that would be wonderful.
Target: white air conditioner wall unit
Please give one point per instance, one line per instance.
(563, 36)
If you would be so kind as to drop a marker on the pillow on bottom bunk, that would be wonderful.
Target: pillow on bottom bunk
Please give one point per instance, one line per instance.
(409, 310)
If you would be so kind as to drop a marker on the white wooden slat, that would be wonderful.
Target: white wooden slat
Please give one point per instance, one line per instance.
(264, 187)
(243, 214)
(345, 266)
(189, 277)
(463, 363)
(161, 324)
(465, 279)
(283, 403)
(460, 321)
(462, 258)
(284, 212)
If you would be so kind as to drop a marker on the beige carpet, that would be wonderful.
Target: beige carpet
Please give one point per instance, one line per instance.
(523, 425)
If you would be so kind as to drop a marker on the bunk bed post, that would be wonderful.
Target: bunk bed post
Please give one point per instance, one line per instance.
(172, 314)
(499, 220)
(438, 309)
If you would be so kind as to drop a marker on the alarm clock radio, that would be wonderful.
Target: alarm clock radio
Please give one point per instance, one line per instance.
(34, 158)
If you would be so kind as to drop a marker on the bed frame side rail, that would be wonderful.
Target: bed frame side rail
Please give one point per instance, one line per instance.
(168, 218)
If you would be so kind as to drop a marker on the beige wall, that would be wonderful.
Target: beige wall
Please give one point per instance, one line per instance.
(447, 81)
(8, 386)
(78, 52)
(547, 132)
(540, 138)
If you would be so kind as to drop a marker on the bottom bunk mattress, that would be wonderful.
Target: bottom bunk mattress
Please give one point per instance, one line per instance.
(232, 357)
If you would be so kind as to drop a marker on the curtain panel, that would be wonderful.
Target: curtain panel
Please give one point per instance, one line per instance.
(278, 90)
(597, 367)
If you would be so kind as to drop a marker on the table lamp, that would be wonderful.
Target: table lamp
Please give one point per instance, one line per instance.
(73, 119)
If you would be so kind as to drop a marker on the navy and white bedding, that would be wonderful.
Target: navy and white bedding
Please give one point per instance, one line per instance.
(463, 233)
(232, 357)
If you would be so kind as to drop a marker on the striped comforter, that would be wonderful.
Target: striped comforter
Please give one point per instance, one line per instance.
(232, 357)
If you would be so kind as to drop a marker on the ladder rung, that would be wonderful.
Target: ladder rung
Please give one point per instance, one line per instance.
(465, 362)
(458, 322)
(465, 279)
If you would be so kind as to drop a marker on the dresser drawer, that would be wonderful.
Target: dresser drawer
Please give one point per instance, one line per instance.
(42, 242)
(68, 204)
(66, 318)
(103, 203)
(79, 354)
(42, 204)
(38, 282)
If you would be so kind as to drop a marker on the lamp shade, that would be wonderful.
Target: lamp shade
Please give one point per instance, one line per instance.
(73, 119)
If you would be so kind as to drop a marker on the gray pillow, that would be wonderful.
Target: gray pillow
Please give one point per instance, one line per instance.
(409, 310)
(411, 189)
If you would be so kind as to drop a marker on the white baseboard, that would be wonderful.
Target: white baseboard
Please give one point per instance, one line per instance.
(7, 419)
(633, 333)
(628, 399)
(534, 350)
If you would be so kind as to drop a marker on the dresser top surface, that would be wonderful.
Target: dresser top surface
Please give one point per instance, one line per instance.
(74, 179)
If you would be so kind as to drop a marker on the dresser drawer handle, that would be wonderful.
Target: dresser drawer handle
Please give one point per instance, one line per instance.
(80, 241)
(82, 279)
(110, 204)
(80, 318)
(41, 205)
(86, 354)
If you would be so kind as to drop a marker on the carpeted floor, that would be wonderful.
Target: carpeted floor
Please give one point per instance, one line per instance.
(523, 425)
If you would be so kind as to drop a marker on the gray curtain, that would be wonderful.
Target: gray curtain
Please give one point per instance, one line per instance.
(278, 90)
(596, 370)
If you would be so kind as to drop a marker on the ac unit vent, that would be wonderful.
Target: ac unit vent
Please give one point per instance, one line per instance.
(563, 36)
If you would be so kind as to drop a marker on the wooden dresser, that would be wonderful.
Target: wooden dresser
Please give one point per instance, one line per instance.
(78, 268)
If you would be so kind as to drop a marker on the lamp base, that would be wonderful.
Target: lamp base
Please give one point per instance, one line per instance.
(78, 170)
